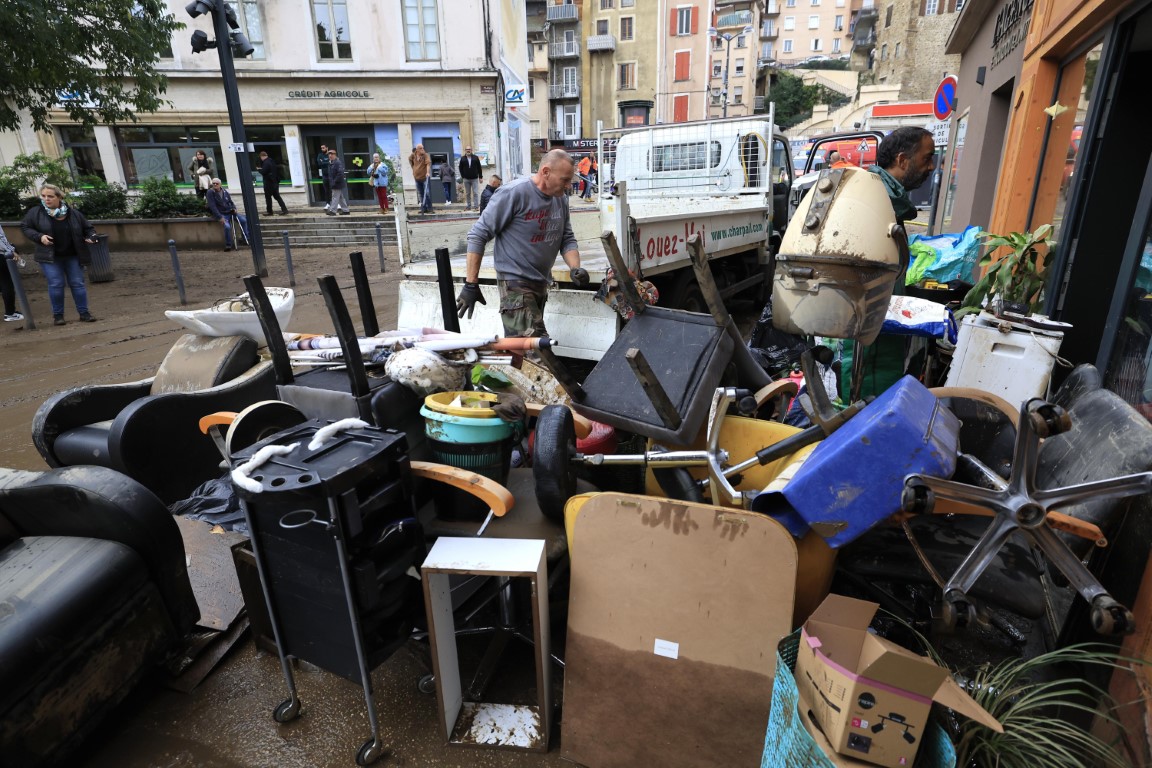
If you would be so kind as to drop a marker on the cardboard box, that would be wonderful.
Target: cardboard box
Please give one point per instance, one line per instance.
(870, 697)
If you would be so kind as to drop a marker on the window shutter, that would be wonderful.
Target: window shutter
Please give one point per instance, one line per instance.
(923, 7)
(683, 64)
(680, 110)
(672, 23)
(951, 7)
(695, 20)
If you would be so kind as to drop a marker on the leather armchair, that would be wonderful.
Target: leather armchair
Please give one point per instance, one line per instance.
(149, 429)
(94, 591)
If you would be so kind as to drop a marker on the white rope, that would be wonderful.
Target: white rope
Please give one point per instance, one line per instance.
(324, 434)
(240, 475)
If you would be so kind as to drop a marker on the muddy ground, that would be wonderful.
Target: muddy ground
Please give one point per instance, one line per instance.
(133, 335)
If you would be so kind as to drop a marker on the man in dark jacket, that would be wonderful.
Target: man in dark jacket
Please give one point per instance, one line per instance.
(339, 186)
(493, 184)
(322, 167)
(470, 173)
(222, 208)
(271, 174)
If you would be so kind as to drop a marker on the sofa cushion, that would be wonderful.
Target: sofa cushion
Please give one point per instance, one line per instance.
(54, 592)
(87, 444)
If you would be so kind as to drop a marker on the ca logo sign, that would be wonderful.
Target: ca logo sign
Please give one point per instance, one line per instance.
(514, 96)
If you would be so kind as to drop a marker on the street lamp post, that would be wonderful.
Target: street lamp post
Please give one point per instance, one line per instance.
(227, 45)
(727, 37)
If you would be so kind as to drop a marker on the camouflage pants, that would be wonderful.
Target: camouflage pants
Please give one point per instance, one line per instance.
(522, 307)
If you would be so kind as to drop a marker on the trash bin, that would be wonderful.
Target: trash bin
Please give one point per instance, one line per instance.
(100, 268)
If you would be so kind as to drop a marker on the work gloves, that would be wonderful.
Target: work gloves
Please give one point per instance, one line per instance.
(579, 277)
(469, 295)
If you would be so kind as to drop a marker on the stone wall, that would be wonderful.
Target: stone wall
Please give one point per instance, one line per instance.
(910, 50)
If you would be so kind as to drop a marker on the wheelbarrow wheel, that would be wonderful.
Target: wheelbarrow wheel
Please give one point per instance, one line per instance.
(552, 467)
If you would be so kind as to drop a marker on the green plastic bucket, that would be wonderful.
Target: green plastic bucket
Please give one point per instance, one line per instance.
(450, 428)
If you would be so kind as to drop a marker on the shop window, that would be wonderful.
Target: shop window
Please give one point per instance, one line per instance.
(85, 160)
(164, 152)
(269, 139)
(333, 31)
(626, 28)
(248, 14)
(421, 30)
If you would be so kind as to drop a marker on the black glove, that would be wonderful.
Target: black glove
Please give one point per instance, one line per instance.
(511, 408)
(466, 301)
(579, 277)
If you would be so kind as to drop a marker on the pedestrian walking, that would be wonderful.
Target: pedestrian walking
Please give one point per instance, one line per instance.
(470, 175)
(322, 169)
(7, 289)
(338, 185)
(222, 208)
(448, 179)
(493, 185)
(61, 235)
(380, 177)
(421, 165)
(270, 172)
(529, 222)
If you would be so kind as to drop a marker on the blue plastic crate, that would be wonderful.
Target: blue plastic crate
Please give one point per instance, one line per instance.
(788, 743)
(854, 478)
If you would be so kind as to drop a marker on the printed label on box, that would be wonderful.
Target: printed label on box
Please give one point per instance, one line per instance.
(666, 648)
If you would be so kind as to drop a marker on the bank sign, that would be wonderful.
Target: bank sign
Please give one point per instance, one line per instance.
(515, 95)
(1011, 28)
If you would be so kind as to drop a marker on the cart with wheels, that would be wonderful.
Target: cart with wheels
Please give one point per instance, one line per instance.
(331, 518)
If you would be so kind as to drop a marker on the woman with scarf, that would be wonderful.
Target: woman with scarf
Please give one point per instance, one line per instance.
(202, 169)
(61, 235)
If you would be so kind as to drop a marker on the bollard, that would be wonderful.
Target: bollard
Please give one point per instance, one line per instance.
(176, 271)
(21, 296)
(288, 258)
(380, 246)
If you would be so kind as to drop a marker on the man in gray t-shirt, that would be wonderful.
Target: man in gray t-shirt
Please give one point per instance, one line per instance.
(529, 222)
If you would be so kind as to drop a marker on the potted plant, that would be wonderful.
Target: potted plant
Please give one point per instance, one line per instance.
(1013, 283)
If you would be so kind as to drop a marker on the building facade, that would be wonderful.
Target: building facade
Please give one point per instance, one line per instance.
(355, 75)
(910, 39)
(735, 33)
(806, 30)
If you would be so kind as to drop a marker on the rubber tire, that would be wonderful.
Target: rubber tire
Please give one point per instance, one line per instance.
(687, 294)
(552, 466)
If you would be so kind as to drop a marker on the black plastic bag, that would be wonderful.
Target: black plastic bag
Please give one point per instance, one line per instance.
(215, 502)
(776, 351)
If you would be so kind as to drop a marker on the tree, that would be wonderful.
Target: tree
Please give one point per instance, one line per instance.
(794, 100)
(95, 59)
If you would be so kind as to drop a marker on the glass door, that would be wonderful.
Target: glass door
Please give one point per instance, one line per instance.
(356, 152)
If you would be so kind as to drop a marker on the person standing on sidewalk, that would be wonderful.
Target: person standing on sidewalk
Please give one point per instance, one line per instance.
(7, 289)
(322, 167)
(339, 186)
(421, 166)
(530, 222)
(222, 208)
(62, 236)
(271, 175)
(493, 185)
(380, 177)
(470, 173)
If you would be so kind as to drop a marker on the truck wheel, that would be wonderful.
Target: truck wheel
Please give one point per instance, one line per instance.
(687, 294)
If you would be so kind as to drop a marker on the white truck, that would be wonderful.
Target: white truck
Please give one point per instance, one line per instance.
(659, 185)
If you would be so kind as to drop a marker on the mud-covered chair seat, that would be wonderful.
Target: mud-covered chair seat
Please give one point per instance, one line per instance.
(94, 592)
(149, 429)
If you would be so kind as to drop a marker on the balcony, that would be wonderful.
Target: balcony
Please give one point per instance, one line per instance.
(601, 43)
(735, 19)
(769, 32)
(772, 9)
(564, 90)
(563, 13)
(565, 50)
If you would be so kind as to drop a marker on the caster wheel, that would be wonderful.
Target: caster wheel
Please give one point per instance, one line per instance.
(427, 684)
(288, 711)
(1048, 419)
(1111, 618)
(958, 613)
(369, 753)
(677, 483)
(917, 499)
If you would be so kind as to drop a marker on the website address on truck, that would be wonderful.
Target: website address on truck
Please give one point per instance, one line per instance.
(740, 230)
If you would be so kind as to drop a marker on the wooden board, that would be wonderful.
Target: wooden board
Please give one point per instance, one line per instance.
(212, 573)
(675, 613)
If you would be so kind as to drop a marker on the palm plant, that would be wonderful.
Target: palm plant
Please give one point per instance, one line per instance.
(1015, 279)
(1038, 714)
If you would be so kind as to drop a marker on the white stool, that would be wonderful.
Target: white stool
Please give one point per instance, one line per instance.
(477, 723)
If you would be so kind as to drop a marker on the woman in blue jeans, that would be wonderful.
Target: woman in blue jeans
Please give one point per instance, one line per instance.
(62, 236)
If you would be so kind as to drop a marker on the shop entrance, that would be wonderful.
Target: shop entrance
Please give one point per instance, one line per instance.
(354, 146)
(439, 151)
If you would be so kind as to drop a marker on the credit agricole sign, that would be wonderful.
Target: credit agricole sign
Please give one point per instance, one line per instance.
(1011, 28)
(328, 94)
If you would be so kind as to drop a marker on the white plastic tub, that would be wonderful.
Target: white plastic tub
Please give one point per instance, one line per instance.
(1009, 359)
